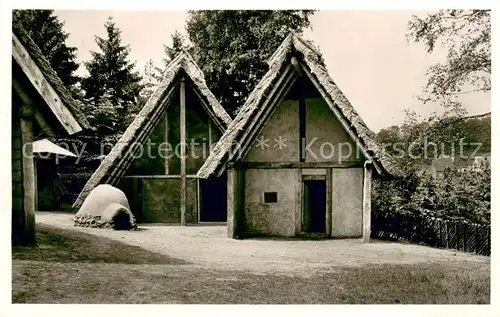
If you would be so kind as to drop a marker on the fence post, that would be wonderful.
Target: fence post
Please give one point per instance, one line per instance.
(489, 240)
(475, 237)
(455, 237)
(464, 235)
(460, 228)
(446, 226)
(439, 234)
(443, 233)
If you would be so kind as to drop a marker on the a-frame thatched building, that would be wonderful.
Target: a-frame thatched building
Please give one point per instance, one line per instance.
(41, 105)
(148, 163)
(299, 159)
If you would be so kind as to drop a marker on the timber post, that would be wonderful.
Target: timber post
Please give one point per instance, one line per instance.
(235, 203)
(166, 142)
(328, 186)
(231, 201)
(183, 149)
(367, 197)
(26, 113)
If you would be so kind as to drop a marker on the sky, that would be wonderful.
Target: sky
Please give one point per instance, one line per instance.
(366, 54)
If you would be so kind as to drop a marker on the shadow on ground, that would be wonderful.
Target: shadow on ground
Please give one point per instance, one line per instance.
(74, 267)
(60, 245)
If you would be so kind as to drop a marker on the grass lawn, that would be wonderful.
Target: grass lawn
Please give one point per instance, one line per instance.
(73, 267)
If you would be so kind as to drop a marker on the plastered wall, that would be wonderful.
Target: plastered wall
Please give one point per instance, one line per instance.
(283, 123)
(271, 218)
(347, 202)
(326, 139)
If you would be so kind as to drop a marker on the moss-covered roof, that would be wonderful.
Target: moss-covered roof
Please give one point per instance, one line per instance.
(314, 62)
(50, 74)
(116, 162)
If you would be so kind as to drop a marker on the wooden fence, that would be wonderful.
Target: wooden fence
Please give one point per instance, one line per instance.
(459, 235)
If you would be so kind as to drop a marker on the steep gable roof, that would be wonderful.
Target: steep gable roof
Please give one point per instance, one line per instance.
(22, 42)
(118, 160)
(311, 62)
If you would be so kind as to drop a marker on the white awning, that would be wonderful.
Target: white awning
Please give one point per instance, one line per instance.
(45, 146)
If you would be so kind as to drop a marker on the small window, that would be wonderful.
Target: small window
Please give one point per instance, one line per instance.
(270, 197)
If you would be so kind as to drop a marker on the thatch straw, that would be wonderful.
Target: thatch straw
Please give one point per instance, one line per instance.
(313, 60)
(113, 161)
(50, 74)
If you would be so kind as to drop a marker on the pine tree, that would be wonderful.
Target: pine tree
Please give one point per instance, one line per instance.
(113, 85)
(151, 78)
(178, 44)
(48, 34)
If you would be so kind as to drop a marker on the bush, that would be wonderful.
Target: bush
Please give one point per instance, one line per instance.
(457, 195)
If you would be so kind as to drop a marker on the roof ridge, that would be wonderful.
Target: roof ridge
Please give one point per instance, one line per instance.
(313, 60)
(49, 73)
(117, 155)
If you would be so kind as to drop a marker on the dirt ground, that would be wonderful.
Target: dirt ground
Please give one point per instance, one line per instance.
(209, 247)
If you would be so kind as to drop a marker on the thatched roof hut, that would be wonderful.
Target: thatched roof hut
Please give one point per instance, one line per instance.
(116, 163)
(27, 48)
(284, 188)
(313, 64)
(40, 102)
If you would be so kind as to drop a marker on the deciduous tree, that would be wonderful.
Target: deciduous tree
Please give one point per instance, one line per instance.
(466, 36)
(232, 47)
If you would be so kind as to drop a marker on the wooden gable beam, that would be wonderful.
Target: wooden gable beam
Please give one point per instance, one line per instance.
(340, 117)
(248, 136)
(209, 110)
(272, 102)
(280, 89)
(119, 169)
(43, 87)
(39, 118)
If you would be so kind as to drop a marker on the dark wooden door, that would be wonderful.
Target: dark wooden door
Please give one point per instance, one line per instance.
(314, 206)
(213, 203)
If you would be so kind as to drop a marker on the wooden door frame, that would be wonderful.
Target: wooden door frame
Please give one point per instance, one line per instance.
(223, 182)
(328, 198)
(198, 200)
